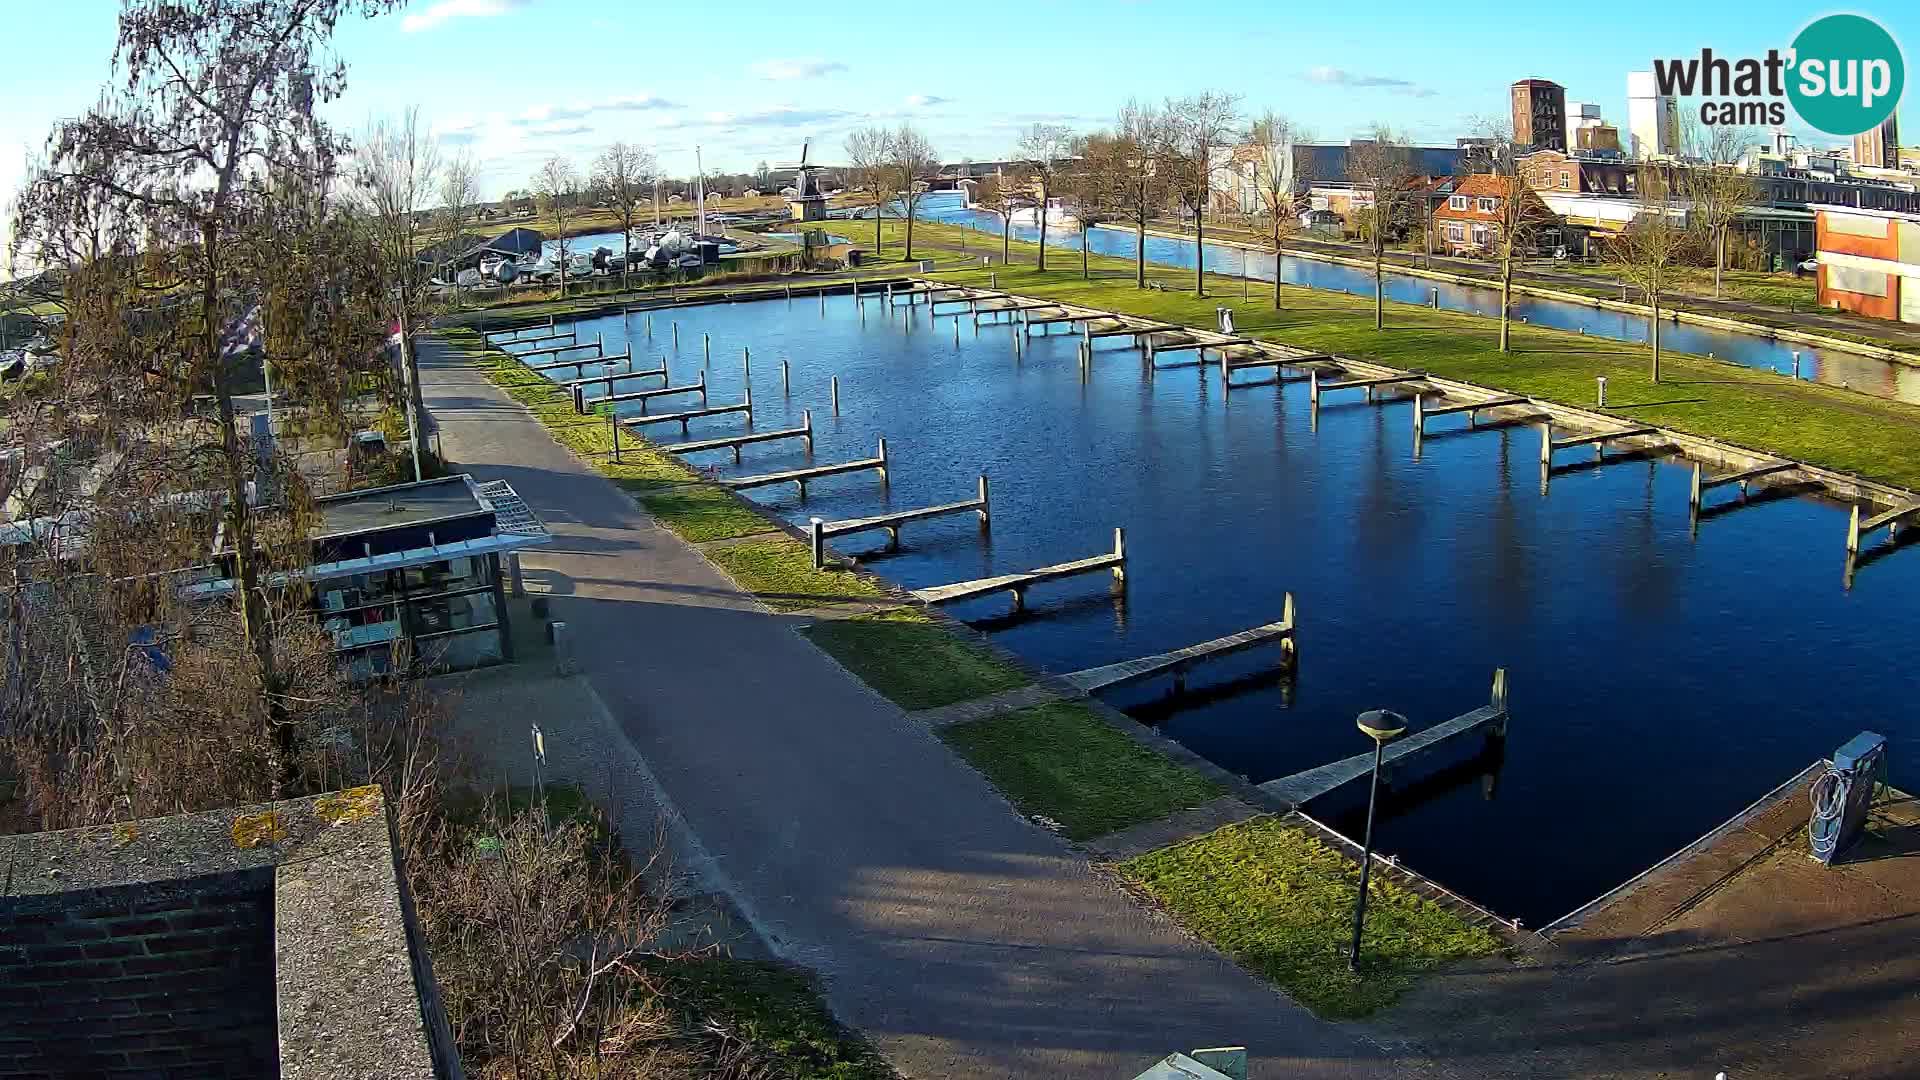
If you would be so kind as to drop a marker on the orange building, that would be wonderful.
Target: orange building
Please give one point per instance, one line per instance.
(1869, 262)
(1469, 218)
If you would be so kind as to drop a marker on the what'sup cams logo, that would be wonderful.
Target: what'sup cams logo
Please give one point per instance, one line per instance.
(1843, 75)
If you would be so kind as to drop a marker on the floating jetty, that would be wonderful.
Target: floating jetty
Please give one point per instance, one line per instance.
(581, 401)
(819, 532)
(1017, 584)
(689, 415)
(800, 477)
(735, 442)
(1302, 787)
(1180, 660)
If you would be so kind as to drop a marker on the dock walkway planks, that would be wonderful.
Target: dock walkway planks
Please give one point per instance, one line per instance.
(1017, 584)
(735, 442)
(688, 415)
(799, 477)
(1303, 787)
(1177, 661)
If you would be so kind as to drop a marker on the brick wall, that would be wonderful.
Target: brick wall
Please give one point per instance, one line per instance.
(138, 982)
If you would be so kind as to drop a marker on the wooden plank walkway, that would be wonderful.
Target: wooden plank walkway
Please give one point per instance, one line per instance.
(1703, 483)
(1422, 411)
(799, 477)
(1018, 584)
(689, 415)
(1303, 787)
(580, 400)
(735, 442)
(1179, 660)
(1892, 520)
(1134, 331)
(1315, 387)
(555, 351)
(1598, 440)
(581, 364)
(822, 531)
(1220, 343)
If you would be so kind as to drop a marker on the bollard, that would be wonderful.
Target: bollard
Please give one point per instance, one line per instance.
(836, 395)
(1546, 441)
(563, 661)
(993, 279)
(1602, 396)
(1796, 363)
(1436, 298)
(817, 540)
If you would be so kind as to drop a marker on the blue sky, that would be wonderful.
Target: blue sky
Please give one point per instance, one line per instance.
(519, 79)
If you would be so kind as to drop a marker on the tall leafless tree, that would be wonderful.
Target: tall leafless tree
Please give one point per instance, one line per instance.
(1045, 152)
(557, 186)
(1278, 175)
(1000, 197)
(1200, 128)
(1381, 166)
(396, 177)
(1718, 191)
(459, 198)
(1519, 215)
(625, 172)
(869, 156)
(1141, 133)
(913, 164)
(1658, 239)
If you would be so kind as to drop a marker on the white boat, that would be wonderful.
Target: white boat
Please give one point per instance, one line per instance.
(1058, 216)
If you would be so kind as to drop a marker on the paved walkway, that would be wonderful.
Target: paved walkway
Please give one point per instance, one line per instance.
(965, 941)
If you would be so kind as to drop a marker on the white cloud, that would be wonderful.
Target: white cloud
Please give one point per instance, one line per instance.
(924, 101)
(1333, 76)
(435, 14)
(788, 70)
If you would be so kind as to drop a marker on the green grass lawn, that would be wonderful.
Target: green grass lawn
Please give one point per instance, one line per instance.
(1062, 761)
(698, 513)
(1871, 436)
(780, 572)
(914, 662)
(1280, 902)
(772, 1012)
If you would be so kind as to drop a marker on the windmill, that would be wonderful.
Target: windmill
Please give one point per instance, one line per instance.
(807, 204)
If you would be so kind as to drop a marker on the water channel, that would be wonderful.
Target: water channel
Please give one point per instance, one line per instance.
(1660, 681)
(1833, 366)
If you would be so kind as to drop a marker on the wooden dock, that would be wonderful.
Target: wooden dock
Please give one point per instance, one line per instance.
(821, 531)
(580, 401)
(687, 416)
(1180, 660)
(1303, 787)
(1422, 411)
(735, 442)
(536, 339)
(1598, 440)
(1703, 483)
(555, 365)
(518, 328)
(554, 351)
(1018, 584)
(1219, 343)
(1892, 521)
(1134, 331)
(800, 477)
(1315, 388)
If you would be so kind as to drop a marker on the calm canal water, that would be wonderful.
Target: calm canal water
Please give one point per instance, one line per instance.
(1659, 682)
(1833, 366)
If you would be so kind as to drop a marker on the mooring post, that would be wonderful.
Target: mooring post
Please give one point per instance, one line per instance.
(1120, 553)
(836, 395)
(649, 326)
(702, 384)
(986, 507)
(823, 302)
(806, 424)
(613, 419)
(1419, 414)
(1853, 532)
(1289, 654)
(785, 386)
(706, 349)
(883, 460)
(747, 400)
(956, 330)
(746, 360)
(1600, 393)
(1693, 497)
(1313, 387)
(1546, 441)
(817, 540)
(676, 335)
(1796, 363)
(580, 399)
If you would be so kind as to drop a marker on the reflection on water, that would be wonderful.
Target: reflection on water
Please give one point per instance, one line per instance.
(1660, 682)
(1833, 366)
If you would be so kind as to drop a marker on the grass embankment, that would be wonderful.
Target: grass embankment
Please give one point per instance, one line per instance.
(773, 1009)
(779, 571)
(912, 661)
(1062, 761)
(1872, 436)
(1280, 901)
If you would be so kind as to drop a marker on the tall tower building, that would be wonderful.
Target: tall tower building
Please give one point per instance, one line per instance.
(1653, 118)
(1879, 147)
(1580, 114)
(1540, 114)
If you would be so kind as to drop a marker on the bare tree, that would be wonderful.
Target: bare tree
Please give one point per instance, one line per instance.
(1519, 215)
(624, 172)
(557, 186)
(1198, 128)
(1279, 175)
(1096, 187)
(1718, 191)
(1001, 198)
(1141, 133)
(1045, 152)
(213, 95)
(913, 163)
(397, 173)
(1382, 165)
(869, 154)
(1658, 239)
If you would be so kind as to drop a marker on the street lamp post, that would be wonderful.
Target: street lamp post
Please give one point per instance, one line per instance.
(1382, 726)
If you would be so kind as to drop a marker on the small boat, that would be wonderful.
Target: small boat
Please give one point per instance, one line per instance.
(1058, 216)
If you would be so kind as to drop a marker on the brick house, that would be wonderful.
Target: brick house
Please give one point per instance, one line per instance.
(1573, 174)
(1468, 219)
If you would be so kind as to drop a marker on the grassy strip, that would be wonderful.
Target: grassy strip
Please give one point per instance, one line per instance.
(1063, 762)
(771, 1012)
(780, 572)
(1280, 901)
(698, 513)
(915, 663)
(1871, 436)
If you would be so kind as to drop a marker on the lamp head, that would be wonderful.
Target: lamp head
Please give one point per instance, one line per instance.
(1382, 724)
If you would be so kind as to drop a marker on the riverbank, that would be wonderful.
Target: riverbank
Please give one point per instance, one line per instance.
(1872, 437)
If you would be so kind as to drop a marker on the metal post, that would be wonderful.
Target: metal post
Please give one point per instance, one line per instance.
(986, 507)
(836, 395)
(649, 326)
(785, 385)
(818, 541)
(746, 360)
(883, 460)
(1546, 442)
(1366, 860)
(676, 334)
(613, 418)
(1601, 380)
(1796, 363)
(706, 349)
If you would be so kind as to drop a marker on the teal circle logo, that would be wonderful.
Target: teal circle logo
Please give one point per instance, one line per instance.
(1847, 74)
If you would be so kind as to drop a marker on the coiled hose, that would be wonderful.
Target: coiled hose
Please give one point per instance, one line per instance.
(1829, 797)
